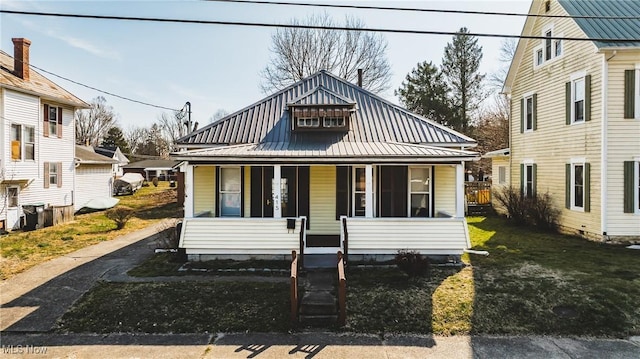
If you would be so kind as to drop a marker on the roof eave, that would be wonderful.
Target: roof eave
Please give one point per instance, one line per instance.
(78, 105)
(328, 160)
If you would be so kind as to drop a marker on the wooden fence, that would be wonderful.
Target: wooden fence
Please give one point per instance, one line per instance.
(477, 193)
(55, 215)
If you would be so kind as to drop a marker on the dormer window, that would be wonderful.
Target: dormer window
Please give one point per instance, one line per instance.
(317, 118)
(308, 122)
(333, 122)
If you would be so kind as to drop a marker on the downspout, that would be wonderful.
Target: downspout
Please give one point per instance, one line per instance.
(604, 162)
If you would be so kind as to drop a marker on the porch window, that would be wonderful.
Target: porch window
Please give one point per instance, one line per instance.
(419, 185)
(12, 197)
(230, 192)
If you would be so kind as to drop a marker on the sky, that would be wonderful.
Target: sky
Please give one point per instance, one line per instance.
(216, 66)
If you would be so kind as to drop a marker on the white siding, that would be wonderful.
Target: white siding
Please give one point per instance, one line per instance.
(322, 198)
(388, 235)
(445, 189)
(92, 181)
(623, 140)
(239, 236)
(554, 143)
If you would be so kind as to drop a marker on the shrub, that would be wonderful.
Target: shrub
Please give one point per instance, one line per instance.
(412, 263)
(536, 211)
(169, 237)
(155, 181)
(120, 215)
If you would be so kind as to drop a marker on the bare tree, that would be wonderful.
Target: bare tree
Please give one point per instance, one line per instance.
(507, 51)
(135, 138)
(93, 124)
(298, 53)
(220, 113)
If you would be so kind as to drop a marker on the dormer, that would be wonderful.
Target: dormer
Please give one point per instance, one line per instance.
(321, 110)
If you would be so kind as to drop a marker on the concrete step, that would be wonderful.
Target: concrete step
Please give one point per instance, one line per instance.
(318, 302)
(319, 321)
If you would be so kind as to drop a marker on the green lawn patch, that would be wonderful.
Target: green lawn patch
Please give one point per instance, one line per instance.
(180, 308)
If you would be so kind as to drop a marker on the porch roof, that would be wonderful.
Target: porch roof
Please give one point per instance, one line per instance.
(340, 152)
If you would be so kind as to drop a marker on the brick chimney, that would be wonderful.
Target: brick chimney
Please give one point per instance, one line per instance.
(21, 57)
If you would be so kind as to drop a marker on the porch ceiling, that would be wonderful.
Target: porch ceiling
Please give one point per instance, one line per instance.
(328, 152)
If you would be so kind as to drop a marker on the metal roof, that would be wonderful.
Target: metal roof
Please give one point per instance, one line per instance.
(86, 155)
(327, 152)
(375, 119)
(497, 153)
(37, 84)
(607, 28)
(165, 164)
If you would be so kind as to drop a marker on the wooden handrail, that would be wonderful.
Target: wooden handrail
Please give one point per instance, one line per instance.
(303, 227)
(294, 288)
(342, 292)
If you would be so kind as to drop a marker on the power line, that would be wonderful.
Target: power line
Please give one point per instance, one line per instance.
(103, 91)
(393, 8)
(315, 27)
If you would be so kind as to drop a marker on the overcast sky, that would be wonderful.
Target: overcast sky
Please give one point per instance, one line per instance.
(215, 66)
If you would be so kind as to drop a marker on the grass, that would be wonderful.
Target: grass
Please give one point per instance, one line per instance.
(167, 264)
(20, 251)
(532, 283)
(180, 308)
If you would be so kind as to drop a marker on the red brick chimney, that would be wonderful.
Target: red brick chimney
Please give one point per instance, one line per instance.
(21, 57)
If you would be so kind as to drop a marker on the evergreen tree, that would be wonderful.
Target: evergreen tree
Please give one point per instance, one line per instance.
(115, 138)
(460, 67)
(425, 92)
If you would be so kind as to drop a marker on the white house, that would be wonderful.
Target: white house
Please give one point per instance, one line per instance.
(115, 154)
(94, 176)
(38, 138)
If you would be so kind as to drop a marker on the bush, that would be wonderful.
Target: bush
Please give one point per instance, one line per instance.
(537, 211)
(412, 263)
(155, 181)
(120, 215)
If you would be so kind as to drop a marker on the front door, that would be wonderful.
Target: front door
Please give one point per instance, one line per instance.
(13, 207)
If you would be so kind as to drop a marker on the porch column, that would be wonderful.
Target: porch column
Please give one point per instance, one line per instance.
(460, 190)
(276, 196)
(368, 187)
(188, 191)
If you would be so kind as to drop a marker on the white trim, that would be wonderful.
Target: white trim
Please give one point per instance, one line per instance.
(220, 191)
(460, 190)
(528, 94)
(577, 75)
(572, 182)
(636, 111)
(428, 192)
(525, 97)
(604, 146)
(368, 206)
(574, 160)
(188, 191)
(276, 191)
(527, 161)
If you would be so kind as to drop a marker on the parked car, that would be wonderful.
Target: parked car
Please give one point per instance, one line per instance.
(128, 184)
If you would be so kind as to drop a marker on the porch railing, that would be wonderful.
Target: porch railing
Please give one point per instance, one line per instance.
(342, 292)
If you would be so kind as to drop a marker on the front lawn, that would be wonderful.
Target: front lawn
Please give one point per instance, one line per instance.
(531, 283)
(20, 251)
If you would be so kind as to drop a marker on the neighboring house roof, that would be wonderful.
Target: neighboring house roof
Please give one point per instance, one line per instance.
(151, 164)
(351, 152)
(607, 28)
(497, 153)
(376, 120)
(112, 152)
(86, 155)
(36, 85)
(596, 28)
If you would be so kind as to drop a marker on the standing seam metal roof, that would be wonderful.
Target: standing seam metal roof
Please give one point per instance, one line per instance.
(607, 28)
(375, 119)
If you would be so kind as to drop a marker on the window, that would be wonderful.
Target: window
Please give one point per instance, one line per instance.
(333, 122)
(419, 191)
(29, 143)
(632, 93)
(632, 186)
(539, 57)
(528, 108)
(547, 46)
(557, 45)
(359, 191)
(53, 121)
(53, 175)
(308, 122)
(16, 142)
(577, 186)
(502, 175)
(528, 179)
(230, 192)
(12, 197)
(578, 99)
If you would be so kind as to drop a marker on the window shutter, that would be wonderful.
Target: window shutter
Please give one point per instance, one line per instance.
(59, 174)
(587, 187)
(629, 167)
(567, 186)
(59, 127)
(45, 124)
(587, 98)
(219, 201)
(534, 176)
(343, 191)
(567, 103)
(522, 179)
(629, 95)
(46, 175)
(522, 116)
(535, 111)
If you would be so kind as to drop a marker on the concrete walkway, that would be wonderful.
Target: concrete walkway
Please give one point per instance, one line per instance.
(32, 301)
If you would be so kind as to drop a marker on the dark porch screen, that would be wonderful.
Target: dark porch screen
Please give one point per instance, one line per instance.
(393, 191)
(261, 178)
(343, 191)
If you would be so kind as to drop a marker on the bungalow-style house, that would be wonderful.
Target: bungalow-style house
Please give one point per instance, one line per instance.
(320, 166)
(94, 178)
(38, 138)
(575, 107)
(115, 154)
(162, 169)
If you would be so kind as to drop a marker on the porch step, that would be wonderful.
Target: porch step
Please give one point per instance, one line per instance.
(319, 305)
(319, 321)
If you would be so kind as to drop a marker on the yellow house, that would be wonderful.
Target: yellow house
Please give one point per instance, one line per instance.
(574, 86)
(320, 166)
